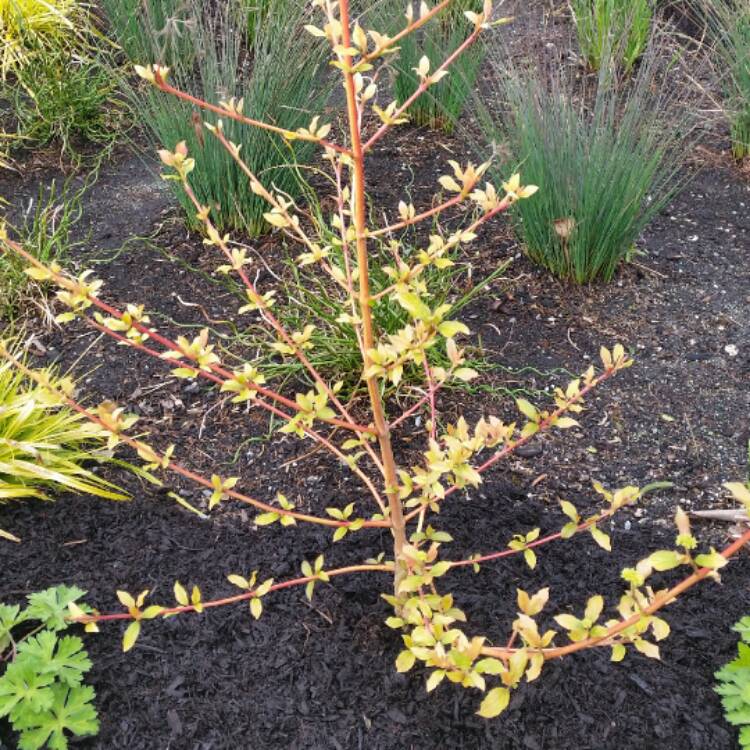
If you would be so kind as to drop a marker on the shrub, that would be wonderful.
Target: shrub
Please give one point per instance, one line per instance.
(612, 29)
(728, 23)
(44, 446)
(207, 51)
(441, 106)
(42, 693)
(403, 498)
(606, 163)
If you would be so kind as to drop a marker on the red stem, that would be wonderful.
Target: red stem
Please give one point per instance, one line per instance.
(167, 89)
(660, 601)
(239, 597)
(543, 425)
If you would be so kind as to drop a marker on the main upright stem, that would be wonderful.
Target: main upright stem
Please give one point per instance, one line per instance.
(368, 339)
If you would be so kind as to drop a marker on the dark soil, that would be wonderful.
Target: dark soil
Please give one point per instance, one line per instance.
(321, 675)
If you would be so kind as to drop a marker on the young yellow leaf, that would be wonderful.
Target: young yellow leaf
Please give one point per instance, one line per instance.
(536, 662)
(601, 538)
(523, 601)
(570, 510)
(665, 559)
(568, 530)
(195, 599)
(405, 661)
(465, 374)
(256, 607)
(648, 649)
(38, 274)
(594, 608)
(131, 635)
(495, 702)
(569, 622)
(238, 581)
(530, 556)
(414, 306)
(451, 328)
(660, 628)
(126, 599)
(490, 666)
(713, 560)
(527, 409)
(435, 679)
(180, 594)
(448, 183)
(264, 587)
(538, 601)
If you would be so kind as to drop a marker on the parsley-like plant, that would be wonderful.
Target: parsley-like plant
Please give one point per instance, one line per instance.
(42, 690)
(734, 684)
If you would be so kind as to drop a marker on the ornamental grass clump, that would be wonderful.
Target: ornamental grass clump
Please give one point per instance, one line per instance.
(441, 106)
(54, 82)
(66, 102)
(612, 29)
(400, 496)
(281, 78)
(45, 446)
(30, 28)
(728, 23)
(311, 300)
(606, 161)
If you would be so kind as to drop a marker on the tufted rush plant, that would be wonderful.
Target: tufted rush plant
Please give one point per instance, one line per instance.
(405, 499)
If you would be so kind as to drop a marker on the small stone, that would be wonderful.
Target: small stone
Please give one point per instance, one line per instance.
(529, 451)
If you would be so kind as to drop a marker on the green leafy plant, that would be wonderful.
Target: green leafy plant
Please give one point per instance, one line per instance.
(441, 106)
(728, 23)
(208, 53)
(42, 690)
(612, 30)
(734, 684)
(606, 163)
(400, 493)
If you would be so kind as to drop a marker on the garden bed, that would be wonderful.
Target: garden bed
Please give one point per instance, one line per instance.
(308, 676)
